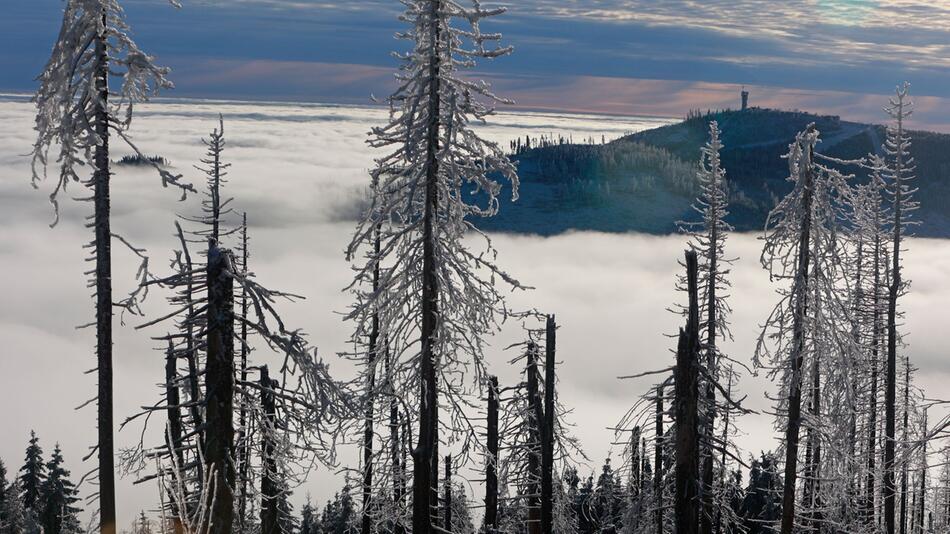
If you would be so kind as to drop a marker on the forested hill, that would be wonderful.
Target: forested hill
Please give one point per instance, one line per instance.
(646, 182)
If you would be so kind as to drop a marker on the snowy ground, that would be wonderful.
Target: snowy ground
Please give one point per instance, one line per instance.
(296, 171)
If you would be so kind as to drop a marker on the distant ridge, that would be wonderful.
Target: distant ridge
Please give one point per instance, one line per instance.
(645, 182)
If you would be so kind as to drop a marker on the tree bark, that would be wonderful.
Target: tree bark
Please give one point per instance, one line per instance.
(103, 246)
(424, 507)
(491, 468)
(367, 523)
(800, 289)
(686, 375)
(447, 518)
(173, 438)
(547, 429)
(706, 523)
(270, 489)
(219, 394)
(244, 461)
(903, 511)
(658, 461)
(535, 416)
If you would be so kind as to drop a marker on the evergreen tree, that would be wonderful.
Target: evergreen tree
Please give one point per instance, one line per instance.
(762, 505)
(310, 519)
(58, 514)
(3, 493)
(32, 474)
(16, 518)
(340, 513)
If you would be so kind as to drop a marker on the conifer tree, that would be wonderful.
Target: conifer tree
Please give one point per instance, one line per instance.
(32, 475)
(4, 490)
(17, 519)
(58, 496)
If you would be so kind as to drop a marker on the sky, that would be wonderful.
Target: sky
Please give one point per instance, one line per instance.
(604, 56)
(298, 170)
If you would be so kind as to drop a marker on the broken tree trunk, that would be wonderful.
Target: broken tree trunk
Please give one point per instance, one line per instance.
(535, 417)
(173, 437)
(547, 430)
(686, 407)
(219, 394)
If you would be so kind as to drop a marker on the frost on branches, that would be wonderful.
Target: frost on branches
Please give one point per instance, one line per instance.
(74, 97)
(436, 298)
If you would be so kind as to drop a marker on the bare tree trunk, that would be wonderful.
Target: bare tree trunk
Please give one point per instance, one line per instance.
(658, 462)
(103, 281)
(903, 512)
(491, 469)
(398, 468)
(686, 375)
(447, 518)
(725, 445)
(706, 525)
(424, 456)
(367, 523)
(534, 456)
(270, 489)
(244, 462)
(219, 394)
(870, 508)
(800, 289)
(923, 472)
(173, 438)
(547, 430)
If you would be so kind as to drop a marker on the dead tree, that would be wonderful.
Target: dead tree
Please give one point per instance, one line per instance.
(658, 461)
(173, 436)
(491, 460)
(447, 517)
(270, 478)
(368, 424)
(219, 392)
(547, 429)
(686, 408)
(536, 416)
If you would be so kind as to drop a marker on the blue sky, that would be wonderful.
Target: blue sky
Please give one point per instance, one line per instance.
(615, 56)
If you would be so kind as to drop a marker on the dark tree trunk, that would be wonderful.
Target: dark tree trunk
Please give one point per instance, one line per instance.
(244, 461)
(725, 444)
(491, 467)
(173, 438)
(219, 393)
(903, 512)
(398, 473)
(706, 521)
(270, 487)
(635, 475)
(367, 523)
(686, 404)
(800, 295)
(870, 509)
(447, 518)
(547, 430)
(103, 281)
(534, 456)
(658, 461)
(923, 474)
(425, 476)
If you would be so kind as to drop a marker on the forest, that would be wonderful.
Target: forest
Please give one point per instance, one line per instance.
(247, 409)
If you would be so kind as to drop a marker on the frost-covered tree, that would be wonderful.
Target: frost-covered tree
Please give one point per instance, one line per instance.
(898, 173)
(58, 498)
(808, 334)
(16, 518)
(436, 298)
(708, 238)
(78, 112)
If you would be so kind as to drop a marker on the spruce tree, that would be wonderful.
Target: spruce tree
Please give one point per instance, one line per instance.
(3, 493)
(58, 496)
(16, 518)
(32, 474)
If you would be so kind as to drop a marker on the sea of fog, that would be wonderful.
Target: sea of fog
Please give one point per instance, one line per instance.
(296, 170)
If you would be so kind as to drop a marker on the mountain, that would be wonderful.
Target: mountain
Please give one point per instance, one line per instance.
(646, 182)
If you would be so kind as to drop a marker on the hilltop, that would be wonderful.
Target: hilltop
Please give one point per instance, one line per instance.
(646, 182)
